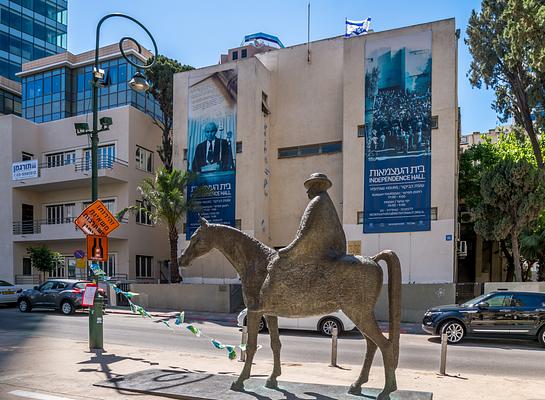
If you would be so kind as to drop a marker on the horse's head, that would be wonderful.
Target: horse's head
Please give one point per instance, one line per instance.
(199, 244)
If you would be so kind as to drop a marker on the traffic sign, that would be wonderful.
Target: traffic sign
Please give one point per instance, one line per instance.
(81, 263)
(97, 248)
(97, 220)
(79, 254)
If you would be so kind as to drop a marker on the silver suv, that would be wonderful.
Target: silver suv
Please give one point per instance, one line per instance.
(61, 294)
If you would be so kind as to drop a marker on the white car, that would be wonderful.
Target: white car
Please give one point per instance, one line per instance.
(9, 292)
(323, 324)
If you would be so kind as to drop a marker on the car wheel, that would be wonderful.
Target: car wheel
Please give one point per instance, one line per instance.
(24, 305)
(541, 336)
(455, 331)
(328, 324)
(67, 308)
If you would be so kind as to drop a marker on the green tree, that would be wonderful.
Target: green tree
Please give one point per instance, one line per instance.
(513, 197)
(161, 78)
(506, 40)
(164, 200)
(44, 259)
(532, 245)
(477, 160)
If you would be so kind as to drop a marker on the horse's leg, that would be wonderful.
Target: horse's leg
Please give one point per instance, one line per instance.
(367, 324)
(355, 388)
(252, 318)
(272, 324)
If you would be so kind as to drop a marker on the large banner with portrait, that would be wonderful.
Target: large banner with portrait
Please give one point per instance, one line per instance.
(211, 147)
(397, 176)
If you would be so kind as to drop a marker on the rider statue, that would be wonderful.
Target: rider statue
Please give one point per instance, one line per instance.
(320, 233)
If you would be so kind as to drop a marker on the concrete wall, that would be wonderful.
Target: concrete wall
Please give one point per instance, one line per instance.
(416, 299)
(516, 286)
(193, 297)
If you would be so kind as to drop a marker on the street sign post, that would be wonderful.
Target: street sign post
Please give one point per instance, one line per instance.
(97, 222)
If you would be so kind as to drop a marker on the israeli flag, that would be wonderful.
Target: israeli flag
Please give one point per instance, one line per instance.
(356, 28)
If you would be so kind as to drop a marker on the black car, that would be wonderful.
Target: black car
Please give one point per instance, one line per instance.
(505, 313)
(62, 294)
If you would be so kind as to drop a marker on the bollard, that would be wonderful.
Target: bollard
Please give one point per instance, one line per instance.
(243, 340)
(444, 342)
(334, 348)
(95, 324)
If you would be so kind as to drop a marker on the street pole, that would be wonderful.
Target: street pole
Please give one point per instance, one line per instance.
(138, 83)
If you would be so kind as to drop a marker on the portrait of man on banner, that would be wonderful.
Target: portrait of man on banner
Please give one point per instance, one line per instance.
(211, 147)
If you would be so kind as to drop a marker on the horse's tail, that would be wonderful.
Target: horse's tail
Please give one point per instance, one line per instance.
(394, 296)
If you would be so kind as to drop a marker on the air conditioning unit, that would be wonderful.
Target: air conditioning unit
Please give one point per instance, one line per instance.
(466, 217)
(462, 248)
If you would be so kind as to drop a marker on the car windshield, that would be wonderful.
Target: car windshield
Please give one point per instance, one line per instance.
(4, 283)
(475, 301)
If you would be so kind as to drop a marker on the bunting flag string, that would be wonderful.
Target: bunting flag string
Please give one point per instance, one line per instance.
(178, 321)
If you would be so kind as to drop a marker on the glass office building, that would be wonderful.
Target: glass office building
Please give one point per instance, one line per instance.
(65, 92)
(29, 30)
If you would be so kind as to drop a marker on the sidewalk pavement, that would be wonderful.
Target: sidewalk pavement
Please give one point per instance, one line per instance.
(65, 368)
(231, 319)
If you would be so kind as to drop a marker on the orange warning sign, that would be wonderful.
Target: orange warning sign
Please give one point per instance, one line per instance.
(97, 220)
(97, 248)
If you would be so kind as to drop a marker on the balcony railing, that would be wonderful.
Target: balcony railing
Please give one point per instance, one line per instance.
(84, 163)
(35, 226)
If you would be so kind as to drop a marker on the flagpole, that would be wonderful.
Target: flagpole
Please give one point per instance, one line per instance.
(308, 33)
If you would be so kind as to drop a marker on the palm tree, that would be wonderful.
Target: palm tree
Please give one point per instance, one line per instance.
(164, 200)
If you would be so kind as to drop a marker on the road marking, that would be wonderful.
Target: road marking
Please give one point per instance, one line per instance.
(35, 395)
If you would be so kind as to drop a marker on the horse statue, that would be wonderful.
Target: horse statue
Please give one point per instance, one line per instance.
(307, 278)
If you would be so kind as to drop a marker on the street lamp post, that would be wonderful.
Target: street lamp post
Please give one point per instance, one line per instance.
(138, 83)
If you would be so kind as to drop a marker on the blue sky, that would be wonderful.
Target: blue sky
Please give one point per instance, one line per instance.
(197, 32)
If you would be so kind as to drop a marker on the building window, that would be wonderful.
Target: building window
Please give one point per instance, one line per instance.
(106, 157)
(433, 213)
(310, 150)
(144, 159)
(235, 55)
(61, 158)
(359, 218)
(361, 130)
(109, 203)
(26, 156)
(243, 53)
(143, 216)
(185, 154)
(239, 147)
(108, 266)
(60, 213)
(435, 122)
(143, 266)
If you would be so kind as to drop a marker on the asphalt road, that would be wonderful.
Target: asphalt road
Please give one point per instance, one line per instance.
(517, 358)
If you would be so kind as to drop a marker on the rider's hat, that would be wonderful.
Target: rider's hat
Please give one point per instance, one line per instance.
(319, 182)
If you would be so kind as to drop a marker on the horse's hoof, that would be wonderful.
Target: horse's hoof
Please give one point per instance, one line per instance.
(384, 396)
(354, 390)
(271, 383)
(237, 386)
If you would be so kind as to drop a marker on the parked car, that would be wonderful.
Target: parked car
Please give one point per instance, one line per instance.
(323, 324)
(9, 292)
(501, 314)
(61, 294)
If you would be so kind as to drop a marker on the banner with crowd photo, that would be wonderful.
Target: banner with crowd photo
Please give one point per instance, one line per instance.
(211, 145)
(397, 165)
